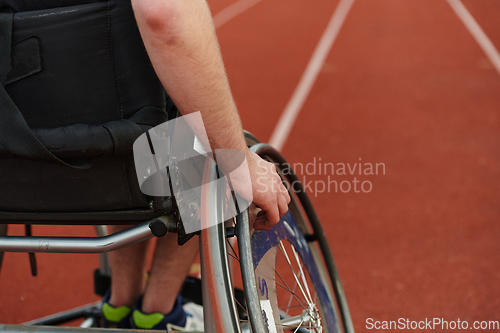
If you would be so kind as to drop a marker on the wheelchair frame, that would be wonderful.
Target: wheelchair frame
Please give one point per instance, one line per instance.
(215, 270)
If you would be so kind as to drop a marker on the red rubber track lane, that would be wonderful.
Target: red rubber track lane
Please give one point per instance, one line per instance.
(405, 85)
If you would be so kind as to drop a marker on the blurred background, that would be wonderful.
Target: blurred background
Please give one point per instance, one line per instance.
(413, 85)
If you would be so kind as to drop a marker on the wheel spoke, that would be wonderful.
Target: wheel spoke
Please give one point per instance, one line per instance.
(290, 307)
(301, 302)
(234, 255)
(242, 307)
(311, 306)
(300, 324)
(282, 247)
(297, 297)
(293, 290)
(300, 321)
(302, 273)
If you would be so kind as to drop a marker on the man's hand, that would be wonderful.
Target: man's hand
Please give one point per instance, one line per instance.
(269, 193)
(255, 181)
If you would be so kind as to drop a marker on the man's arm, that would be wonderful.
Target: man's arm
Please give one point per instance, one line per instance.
(180, 39)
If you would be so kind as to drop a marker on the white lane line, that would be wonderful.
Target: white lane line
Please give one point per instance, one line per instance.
(232, 11)
(313, 68)
(476, 32)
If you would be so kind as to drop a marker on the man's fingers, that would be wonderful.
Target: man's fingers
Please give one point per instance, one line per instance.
(277, 177)
(262, 225)
(269, 204)
(282, 204)
(273, 215)
(273, 198)
(265, 220)
(285, 193)
(282, 188)
(261, 222)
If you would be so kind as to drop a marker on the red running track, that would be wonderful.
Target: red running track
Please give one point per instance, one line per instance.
(406, 85)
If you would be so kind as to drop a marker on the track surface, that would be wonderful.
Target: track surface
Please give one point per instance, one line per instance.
(405, 84)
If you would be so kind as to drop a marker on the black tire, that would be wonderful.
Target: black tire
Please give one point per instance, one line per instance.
(300, 240)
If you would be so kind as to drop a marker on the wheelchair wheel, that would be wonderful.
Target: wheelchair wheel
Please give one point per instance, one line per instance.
(288, 274)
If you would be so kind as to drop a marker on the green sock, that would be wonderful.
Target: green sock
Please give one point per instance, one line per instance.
(147, 321)
(115, 314)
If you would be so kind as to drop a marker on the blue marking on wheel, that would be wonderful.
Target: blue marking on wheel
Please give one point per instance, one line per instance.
(287, 229)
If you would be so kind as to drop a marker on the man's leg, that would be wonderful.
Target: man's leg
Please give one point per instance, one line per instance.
(128, 270)
(171, 265)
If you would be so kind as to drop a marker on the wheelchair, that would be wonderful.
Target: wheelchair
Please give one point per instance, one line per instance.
(287, 277)
(281, 280)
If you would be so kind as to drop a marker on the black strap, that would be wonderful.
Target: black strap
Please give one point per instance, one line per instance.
(15, 135)
(5, 45)
(124, 133)
(150, 116)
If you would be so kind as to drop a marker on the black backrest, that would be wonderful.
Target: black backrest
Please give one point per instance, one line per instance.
(91, 67)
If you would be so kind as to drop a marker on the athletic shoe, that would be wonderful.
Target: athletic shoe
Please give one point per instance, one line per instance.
(194, 319)
(114, 317)
(182, 318)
